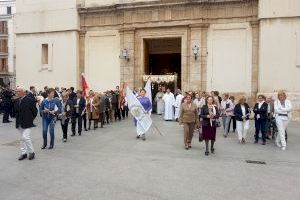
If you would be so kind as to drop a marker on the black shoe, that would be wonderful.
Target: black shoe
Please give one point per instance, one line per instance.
(143, 137)
(73, 135)
(264, 143)
(44, 147)
(212, 150)
(4, 122)
(79, 134)
(243, 140)
(256, 142)
(65, 140)
(51, 147)
(22, 157)
(85, 129)
(186, 147)
(206, 153)
(138, 137)
(31, 156)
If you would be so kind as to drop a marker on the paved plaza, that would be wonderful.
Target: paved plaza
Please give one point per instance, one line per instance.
(111, 164)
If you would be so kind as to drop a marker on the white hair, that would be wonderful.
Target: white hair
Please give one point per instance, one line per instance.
(20, 88)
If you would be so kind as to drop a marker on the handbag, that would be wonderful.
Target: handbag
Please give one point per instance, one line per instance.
(216, 123)
(200, 135)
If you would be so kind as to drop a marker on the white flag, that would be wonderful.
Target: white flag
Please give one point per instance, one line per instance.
(144, 121)
(148, 90)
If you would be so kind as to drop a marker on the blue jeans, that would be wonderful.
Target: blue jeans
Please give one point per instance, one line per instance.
(226, 121)
(260, 126)
(48, 123)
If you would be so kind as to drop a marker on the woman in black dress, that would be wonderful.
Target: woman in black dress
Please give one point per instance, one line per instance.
(209, 114)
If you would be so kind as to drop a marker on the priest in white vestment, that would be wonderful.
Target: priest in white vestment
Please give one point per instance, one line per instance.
(160, 102)
(177, 104)
(169, 100)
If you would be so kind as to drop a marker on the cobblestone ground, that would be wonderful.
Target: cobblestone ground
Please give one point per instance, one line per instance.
(111, 164)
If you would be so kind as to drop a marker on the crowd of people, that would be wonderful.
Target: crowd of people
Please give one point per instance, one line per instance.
(193, 110)
(206, 111)
(60, 105)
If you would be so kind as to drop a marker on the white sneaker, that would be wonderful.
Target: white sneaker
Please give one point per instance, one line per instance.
(283, 148)
(278, 144)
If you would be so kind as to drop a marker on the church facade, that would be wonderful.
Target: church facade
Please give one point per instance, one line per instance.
(236, 46)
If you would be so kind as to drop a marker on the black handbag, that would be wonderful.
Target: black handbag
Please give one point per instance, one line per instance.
(200, 135)
(216, 123)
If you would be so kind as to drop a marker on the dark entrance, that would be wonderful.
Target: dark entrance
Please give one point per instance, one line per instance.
(163, 57)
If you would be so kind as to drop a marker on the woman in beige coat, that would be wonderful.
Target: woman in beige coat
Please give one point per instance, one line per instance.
(93, 102)
(189, 118)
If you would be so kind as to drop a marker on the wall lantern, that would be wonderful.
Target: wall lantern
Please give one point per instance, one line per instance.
(124, 54)
(196, 49)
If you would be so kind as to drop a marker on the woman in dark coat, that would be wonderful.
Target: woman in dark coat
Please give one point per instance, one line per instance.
(209, 114)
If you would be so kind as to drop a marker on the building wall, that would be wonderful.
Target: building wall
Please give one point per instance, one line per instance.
(230, 58)
(55, 23)
(63, 66)
(93, 3)
(190, 22)
(280, 49)
(102, 67)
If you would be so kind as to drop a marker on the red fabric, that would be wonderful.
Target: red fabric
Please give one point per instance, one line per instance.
(84, 86)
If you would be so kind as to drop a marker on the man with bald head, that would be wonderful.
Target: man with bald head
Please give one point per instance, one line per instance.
(26, 112)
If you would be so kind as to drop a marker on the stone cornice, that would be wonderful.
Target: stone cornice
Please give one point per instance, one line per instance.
(155, 4)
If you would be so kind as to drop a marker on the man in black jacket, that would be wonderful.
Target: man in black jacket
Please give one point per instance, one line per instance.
(6, 96)
(261, 115)
(26, 112)
(72, 94)
(79, 104)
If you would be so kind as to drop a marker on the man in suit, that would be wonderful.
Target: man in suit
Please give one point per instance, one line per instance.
(26, 112)
(6, 96)
(79, 109)
(45, 93)
(116, 106)
(261, 114)
(72, 94)
(32, 93)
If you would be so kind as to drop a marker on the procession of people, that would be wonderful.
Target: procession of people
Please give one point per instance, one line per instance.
(199, 112)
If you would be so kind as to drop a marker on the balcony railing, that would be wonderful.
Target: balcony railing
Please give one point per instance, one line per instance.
(4, 69)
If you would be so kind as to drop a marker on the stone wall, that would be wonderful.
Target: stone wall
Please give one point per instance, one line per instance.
(169, 19)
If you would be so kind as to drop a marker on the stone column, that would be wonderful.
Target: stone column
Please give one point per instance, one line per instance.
(195, 62)
(204, 32)
(127, 66)
(255, 58)
(81, 69)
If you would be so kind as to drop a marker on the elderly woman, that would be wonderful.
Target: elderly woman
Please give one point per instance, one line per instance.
(65, 116)
(226, 108)
(93, 102)
(189, 118)
(261, 114)
(242, 113)
(209, 114)
(282, 110)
